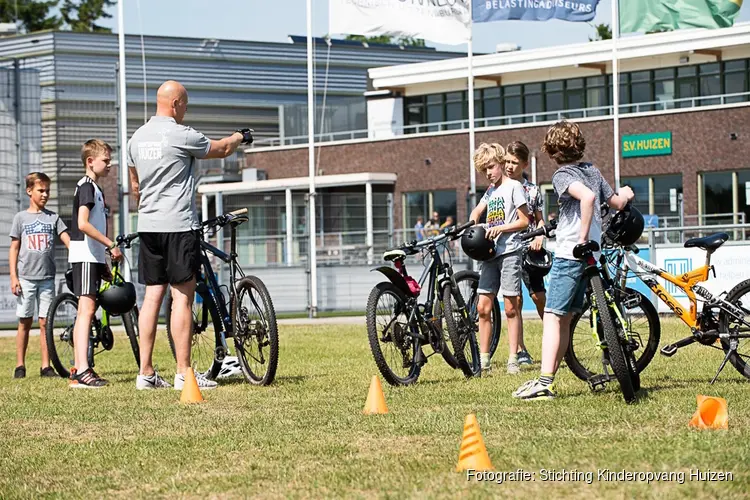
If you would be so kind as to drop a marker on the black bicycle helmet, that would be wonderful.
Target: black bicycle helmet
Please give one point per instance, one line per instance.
(118, 298)
(625, 226)
(475, 244)
(538, 262)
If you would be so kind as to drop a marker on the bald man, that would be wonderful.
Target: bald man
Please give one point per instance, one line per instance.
(161, 157)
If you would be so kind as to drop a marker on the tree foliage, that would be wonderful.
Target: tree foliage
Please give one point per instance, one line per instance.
(603, 32)
(32, 15)
(405, 41)
(82, 15)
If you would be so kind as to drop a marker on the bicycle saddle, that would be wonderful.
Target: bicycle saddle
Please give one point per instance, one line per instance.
(583, 248)
(393, 254)
(711, 242)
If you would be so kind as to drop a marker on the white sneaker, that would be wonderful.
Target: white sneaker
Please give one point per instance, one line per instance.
(147, 382)
(203, 382)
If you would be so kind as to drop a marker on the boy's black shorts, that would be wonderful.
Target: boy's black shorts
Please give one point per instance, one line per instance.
(168, 258)
(534, 281)
(87, 277)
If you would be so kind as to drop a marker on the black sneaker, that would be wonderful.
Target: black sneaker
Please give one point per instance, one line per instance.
(48, 372)
(88, 379)
(19, 372)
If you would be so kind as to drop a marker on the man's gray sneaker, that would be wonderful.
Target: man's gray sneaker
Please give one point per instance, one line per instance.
(148, 382)
(524, 358)
(203, 382)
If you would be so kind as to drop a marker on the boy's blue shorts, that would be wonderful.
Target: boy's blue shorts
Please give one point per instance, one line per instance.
(567, 287)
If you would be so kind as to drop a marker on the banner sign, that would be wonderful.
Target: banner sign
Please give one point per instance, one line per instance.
(656, 144)
(485, 11)
(444, 21)
(666, 15)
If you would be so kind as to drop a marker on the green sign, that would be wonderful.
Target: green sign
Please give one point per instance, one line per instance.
(658, 143)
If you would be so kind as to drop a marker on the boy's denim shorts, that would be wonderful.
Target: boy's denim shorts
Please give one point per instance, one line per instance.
(36, 295)
(567, 287)
(501, 274)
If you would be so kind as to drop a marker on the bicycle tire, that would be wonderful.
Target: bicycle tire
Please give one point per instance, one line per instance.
(497, 314)
(439, 314)
(64, 338)
(130, 322)
(584, 370)
(617, 357)
(203, 341)
(265, 333)
(463, 332)
(398, 329)
(738, 360)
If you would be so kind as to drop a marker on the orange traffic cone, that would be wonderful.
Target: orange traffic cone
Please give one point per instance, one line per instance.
(375, 403)
(191, 393)
(473, 454)
(711, 413)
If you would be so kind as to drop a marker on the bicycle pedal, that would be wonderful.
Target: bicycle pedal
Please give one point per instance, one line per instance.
(632, 302)
(598, 383)
(668, 350)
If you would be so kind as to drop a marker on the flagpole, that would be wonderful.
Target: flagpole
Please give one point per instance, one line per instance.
(311, 165)
(123, 139)
(616, 90)
(472, 138)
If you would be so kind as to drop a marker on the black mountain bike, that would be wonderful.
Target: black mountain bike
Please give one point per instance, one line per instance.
(398, 325)
(62, 318)
(607, 322)
(242, 311)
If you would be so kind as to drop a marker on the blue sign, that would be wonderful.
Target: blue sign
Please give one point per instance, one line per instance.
(485, 11)
(651, 220)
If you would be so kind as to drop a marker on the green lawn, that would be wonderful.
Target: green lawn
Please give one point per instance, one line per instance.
(305, 436)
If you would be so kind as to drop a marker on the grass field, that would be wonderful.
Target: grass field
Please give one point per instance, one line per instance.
(305, 436)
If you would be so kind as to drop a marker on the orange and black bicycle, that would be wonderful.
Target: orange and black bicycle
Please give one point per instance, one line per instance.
(721, 322)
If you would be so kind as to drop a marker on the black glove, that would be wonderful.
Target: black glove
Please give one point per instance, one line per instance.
(247, 135)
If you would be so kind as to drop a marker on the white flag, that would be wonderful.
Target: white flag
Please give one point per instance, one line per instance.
(447, 21)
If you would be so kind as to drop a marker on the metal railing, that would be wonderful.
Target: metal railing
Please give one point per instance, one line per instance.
(495, 121)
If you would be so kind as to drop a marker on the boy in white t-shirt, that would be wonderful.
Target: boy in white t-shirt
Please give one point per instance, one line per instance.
(507, 214)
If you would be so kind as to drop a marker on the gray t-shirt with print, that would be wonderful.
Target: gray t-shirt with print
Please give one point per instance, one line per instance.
(37, 232)
(503, 202)
(164, 152)
(569, 219)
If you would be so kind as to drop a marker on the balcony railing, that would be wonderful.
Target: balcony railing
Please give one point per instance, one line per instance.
(496, 121)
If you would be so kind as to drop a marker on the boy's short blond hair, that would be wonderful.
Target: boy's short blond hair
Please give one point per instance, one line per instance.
(488, 154)
(564, 143)
(93, 148)
(35, 177)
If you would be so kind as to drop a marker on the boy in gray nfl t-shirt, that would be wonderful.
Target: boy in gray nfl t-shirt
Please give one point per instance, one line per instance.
(581, 189)
(33, 236)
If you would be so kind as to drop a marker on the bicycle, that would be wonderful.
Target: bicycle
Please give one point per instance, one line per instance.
(400, 325)
(62, 317)
(721, 320)
(248, 316)
(612, 336)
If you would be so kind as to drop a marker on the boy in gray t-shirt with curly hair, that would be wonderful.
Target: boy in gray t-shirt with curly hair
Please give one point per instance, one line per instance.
(581, 189)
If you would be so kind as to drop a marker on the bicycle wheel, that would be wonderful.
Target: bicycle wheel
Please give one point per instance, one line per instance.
(256, 337)
(462, 325)
(447, 352)
(584, 356)
(61, 319)
(740, 298)
(205, 337)
(617, 356)
(130, 322)
(389, 333)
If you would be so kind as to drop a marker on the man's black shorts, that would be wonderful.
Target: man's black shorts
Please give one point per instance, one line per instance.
(168, 258)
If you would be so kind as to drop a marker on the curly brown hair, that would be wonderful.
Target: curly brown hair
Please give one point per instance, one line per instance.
(488, 154)
(564, 142)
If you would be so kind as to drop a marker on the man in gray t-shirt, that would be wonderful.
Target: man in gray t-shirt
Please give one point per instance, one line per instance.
(161, 156)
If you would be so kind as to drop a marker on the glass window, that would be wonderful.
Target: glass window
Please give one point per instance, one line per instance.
(512, 103)
(550, 203)
(575, 100)
(717, 194)
(415, 110)
(553, 86)
(710, 83)
(735, 81)
(415, 205)
(444, 203)
(664, 87)
(455, 109)
(492, 108)
(743, 190)
(640, 188)
(435, 110)
(575, 83)
(553, 102)
(663, 186)
(597, 98)
(532, 100)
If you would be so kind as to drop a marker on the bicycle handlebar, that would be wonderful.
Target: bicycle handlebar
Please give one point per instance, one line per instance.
(223, 220)
(126, 239)
(452, 232)
(546, 230)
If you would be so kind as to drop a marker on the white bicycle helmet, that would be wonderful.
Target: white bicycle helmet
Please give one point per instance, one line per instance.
(230, 367)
